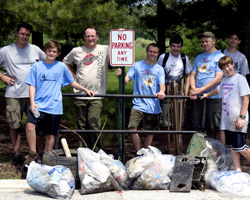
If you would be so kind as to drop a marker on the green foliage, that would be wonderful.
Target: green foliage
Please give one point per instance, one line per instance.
(63, 19)
(5, 158)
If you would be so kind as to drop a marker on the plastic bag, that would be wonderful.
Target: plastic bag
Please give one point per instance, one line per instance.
(151, 170)
(56, 181)
(94, 175)
(219, 153)
(116, 168)
(169, 162)
(231, 182)
(137, 165)
(153, 178)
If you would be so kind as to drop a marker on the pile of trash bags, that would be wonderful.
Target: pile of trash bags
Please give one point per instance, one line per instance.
(149, 170)
(100, 172)
(220, 174)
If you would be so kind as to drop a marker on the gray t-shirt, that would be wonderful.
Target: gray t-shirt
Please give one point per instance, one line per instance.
(232, 89)
(17, 62)
(240, 62)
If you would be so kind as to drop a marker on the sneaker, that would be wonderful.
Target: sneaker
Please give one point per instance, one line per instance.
(165, 151)
(17, 160)
(32, 156)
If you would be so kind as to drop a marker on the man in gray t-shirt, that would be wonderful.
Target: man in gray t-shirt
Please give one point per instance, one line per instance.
(17, 59)
(240, 60)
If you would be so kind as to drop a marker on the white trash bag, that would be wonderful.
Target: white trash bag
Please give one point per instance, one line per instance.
(153, 178)
(150, 171)
(139, 164)
(94, 175)
(56, 181)
(116, 168)
(231, 182)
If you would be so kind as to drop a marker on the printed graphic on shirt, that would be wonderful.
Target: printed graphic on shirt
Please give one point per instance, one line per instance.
(53, 77)
(149, 81)
(100, 64)
(88, 59)
(203, 67)
(227, 87)
(236, 65)
(150, 78)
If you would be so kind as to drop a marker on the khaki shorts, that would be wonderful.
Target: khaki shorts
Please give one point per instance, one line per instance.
(14, 111)
(149, 121)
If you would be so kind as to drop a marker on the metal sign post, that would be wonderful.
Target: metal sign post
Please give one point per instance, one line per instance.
(121, 55)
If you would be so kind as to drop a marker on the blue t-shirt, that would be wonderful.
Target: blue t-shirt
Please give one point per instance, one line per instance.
(48, 80)
(206, 65)
(147, 80)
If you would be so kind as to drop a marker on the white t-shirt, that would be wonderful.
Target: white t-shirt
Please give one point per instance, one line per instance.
(232, 89)
(174, 67)
(92, 68)
(240, 62)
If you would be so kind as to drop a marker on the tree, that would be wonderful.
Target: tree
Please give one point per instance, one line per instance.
(220, 17)
(63, 19)
(191, 17)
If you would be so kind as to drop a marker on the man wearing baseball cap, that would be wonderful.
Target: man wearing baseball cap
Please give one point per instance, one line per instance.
(205, 77)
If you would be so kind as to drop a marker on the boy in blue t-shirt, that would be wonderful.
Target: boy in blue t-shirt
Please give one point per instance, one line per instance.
(45, 80)
(149, 79)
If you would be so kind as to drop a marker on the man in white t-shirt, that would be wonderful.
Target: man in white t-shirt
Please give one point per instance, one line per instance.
(17, 59)
(92, 61)
(240, 60)
(176, 65)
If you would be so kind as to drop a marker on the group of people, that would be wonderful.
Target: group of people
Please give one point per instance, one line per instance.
(218, 77)
(34, 79)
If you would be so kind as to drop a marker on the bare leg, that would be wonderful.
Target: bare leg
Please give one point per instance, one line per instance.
(50, 141)
(236, 160)
(31, 136)
(15, 140)
(246, 154)
(148, 140)
(136, 140)
(220, 135)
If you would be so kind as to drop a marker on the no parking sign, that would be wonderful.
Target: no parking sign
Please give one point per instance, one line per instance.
(121, 47)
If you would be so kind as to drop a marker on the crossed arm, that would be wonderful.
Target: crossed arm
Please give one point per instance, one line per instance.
(195, 91)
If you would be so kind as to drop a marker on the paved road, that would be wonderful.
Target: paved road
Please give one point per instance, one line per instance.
(19, 189)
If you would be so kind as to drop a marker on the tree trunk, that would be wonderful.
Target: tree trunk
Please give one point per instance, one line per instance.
(245, 43)
(161, 26)
(37, 39)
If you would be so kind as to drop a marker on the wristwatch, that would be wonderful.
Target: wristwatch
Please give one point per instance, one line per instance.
(242, 116)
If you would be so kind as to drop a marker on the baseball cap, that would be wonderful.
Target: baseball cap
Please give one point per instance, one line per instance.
(206, 34)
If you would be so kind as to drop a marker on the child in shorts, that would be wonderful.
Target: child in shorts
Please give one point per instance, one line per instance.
(45, 80)
(235, 91)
